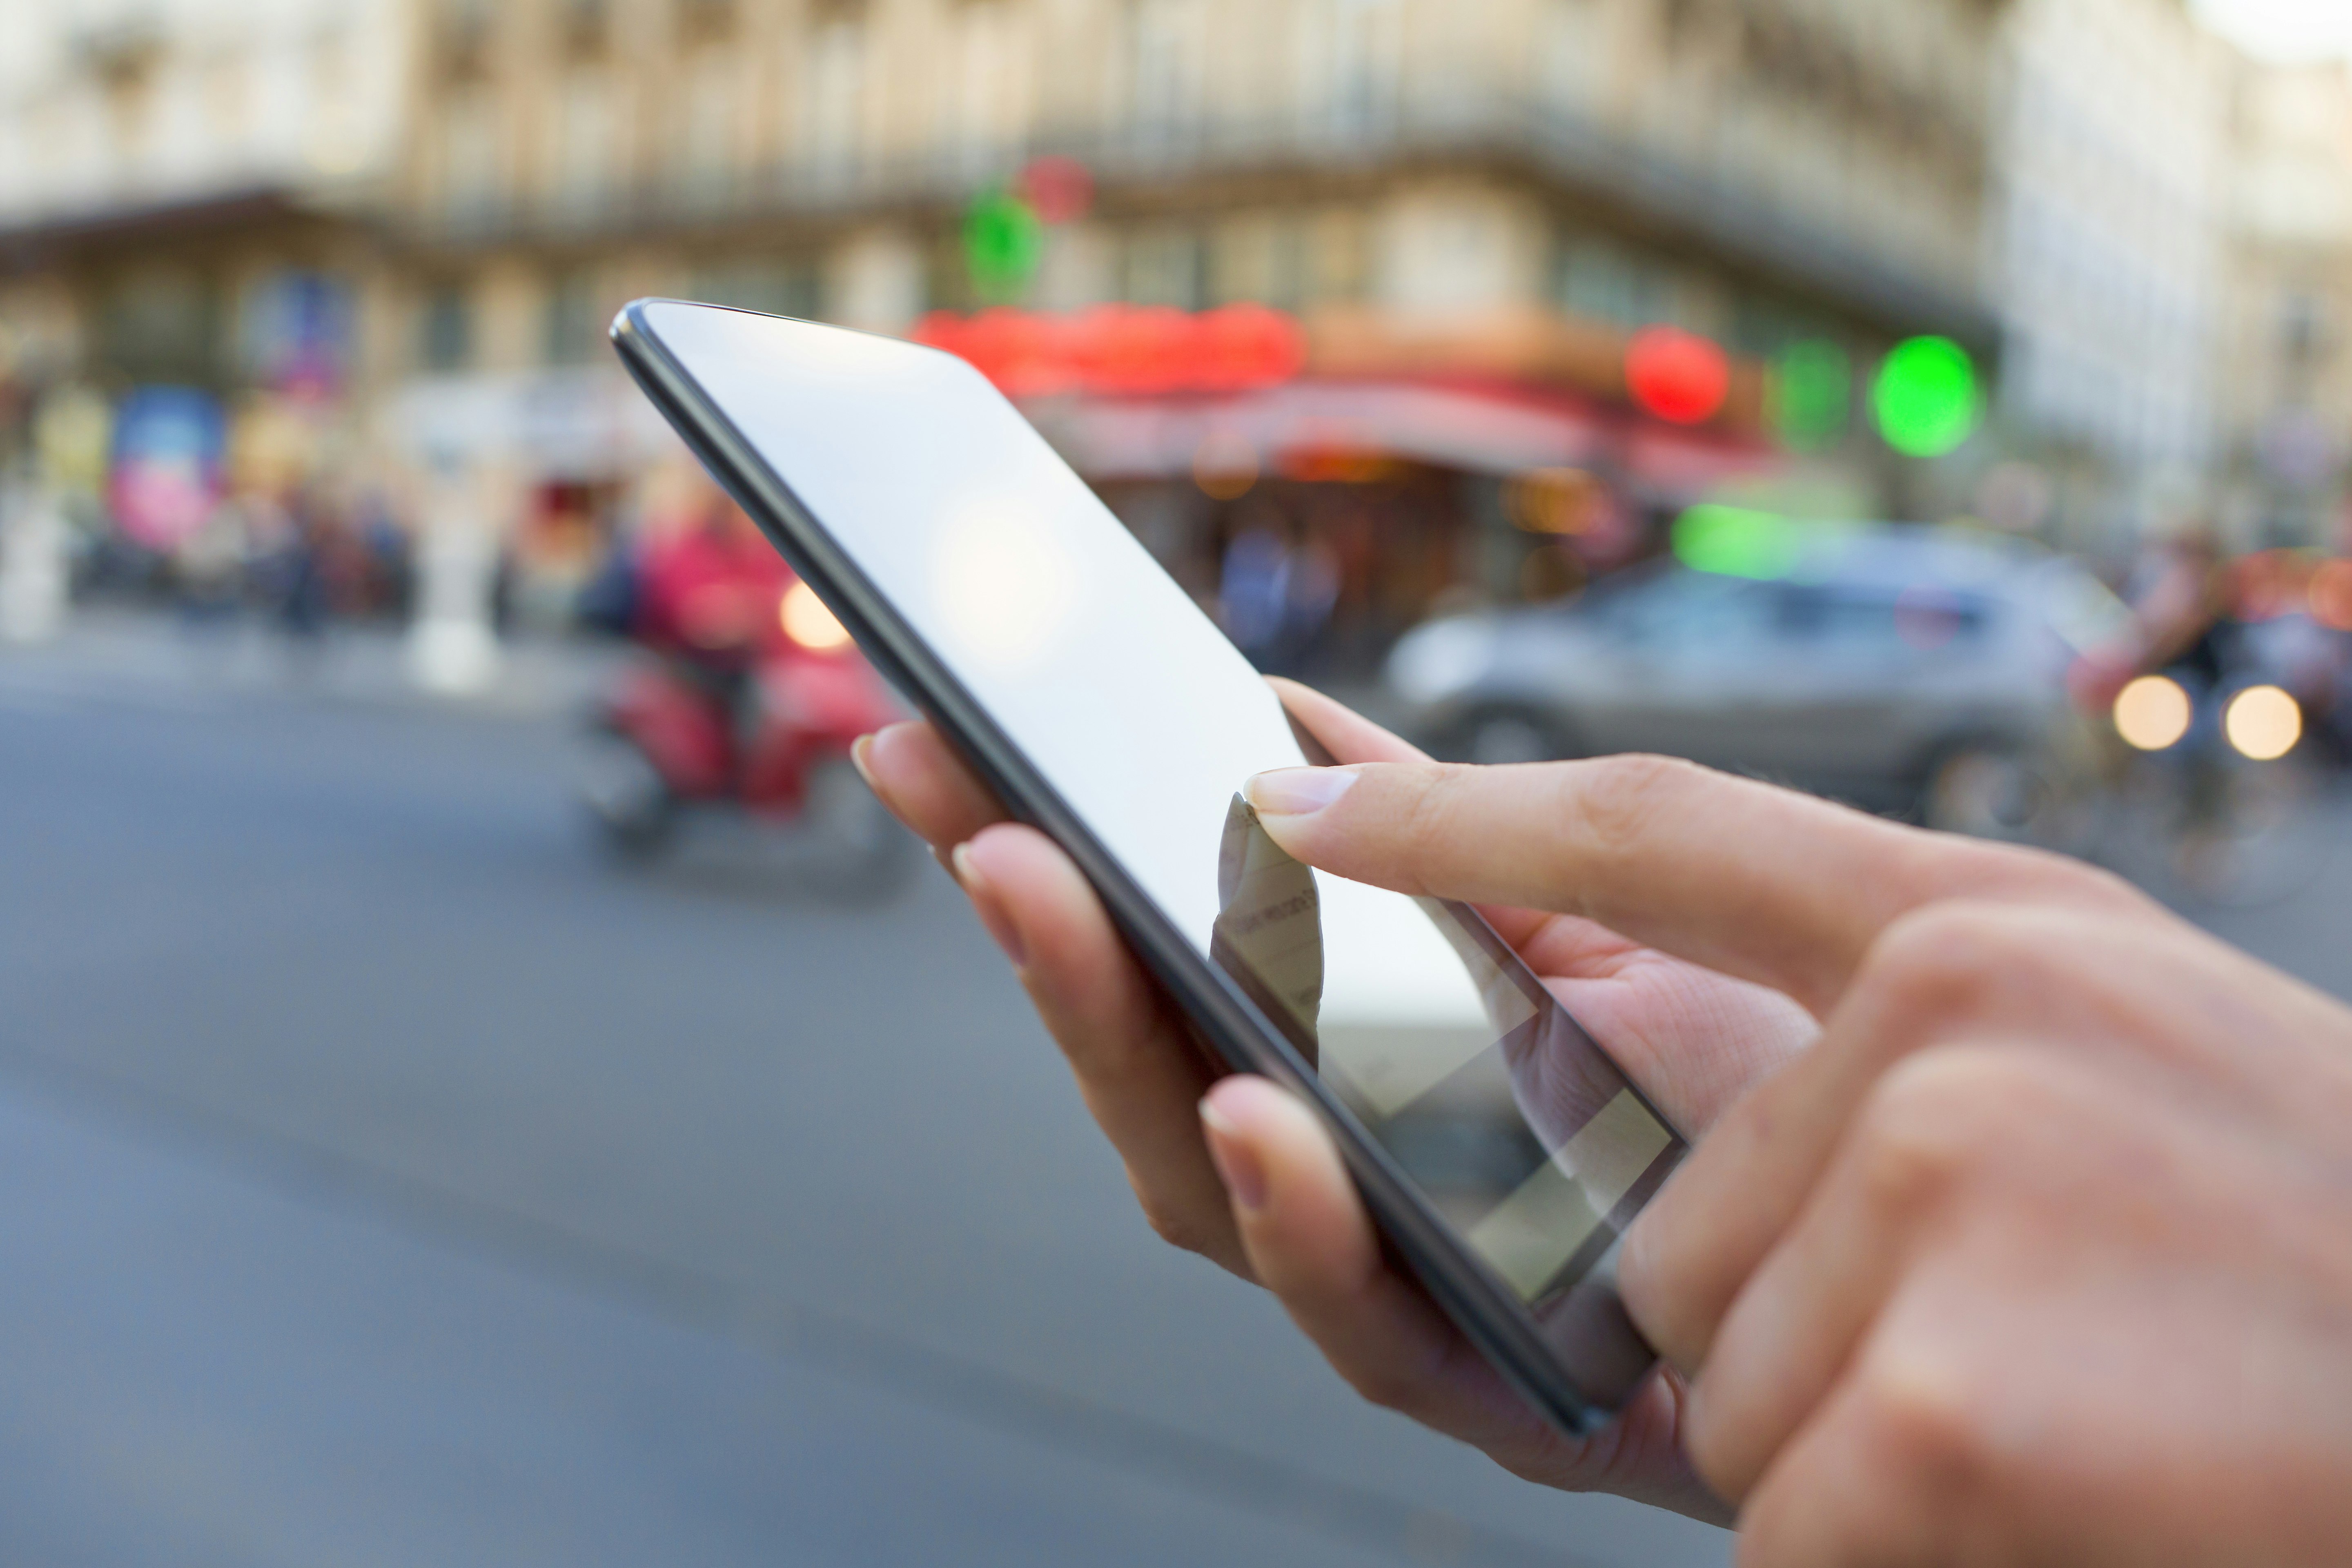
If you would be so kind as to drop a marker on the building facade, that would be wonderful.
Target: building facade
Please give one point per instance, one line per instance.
(2109, 240)
(2286, 363)
(1470, 208)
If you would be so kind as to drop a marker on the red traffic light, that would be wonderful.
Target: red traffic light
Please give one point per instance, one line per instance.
(1058, 189)
(1676, 375)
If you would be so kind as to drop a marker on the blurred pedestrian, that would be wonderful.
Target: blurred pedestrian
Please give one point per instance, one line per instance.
(706, 597)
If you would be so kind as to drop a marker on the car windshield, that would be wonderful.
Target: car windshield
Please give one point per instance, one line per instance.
(1667, 604)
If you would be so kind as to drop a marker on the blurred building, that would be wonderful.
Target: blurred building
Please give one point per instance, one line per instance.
(2110, 237)
(182, 187)
(1469, 208)
(190, 204)
(2286, 364)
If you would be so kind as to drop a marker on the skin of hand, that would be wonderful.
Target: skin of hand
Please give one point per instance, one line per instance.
(1234, 1168)
(2041, 1254)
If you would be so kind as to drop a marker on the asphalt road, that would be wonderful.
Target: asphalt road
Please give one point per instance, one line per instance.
(389, 1179)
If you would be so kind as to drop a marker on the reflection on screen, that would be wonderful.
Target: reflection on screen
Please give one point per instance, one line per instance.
(1148, 721)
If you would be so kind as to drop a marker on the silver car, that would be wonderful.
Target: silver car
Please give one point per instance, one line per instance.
(1910, 670)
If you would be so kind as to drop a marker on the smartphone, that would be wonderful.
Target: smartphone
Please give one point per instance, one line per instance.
(1500, 1149)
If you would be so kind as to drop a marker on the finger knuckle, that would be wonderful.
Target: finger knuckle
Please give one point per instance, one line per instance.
(1377, 1381)
(1927, 1126)
(1172, 1223)
(1609, 804)
(1944, 961)
(2020, 871)
(1926, 1424)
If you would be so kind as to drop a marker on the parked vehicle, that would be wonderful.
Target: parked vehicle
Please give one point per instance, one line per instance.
(1908, 669)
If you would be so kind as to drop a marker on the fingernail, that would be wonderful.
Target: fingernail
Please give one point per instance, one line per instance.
(991, 913)
(1298, 791)
(857, 750)
(1236, 1162)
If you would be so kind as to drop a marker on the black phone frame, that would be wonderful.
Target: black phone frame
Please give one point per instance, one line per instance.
(1233, 1025)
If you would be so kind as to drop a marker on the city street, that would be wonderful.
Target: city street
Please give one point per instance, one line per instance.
(390, 1179)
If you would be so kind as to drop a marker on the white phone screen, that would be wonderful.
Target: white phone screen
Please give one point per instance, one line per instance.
(1130, 701)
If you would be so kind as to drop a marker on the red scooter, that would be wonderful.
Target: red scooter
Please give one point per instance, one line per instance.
(771, 738)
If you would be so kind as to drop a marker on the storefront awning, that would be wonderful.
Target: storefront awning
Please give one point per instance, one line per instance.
(1478, 431)
(1484, 430)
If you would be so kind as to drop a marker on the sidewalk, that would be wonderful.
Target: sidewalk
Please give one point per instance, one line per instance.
(115, 651)
(118, 651)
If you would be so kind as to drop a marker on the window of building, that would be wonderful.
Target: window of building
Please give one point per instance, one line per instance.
(1597, 279)
(1166, 41)
(1261, 258)
(2303, 326)
(572, 332)
(1366, 51)
(444, 330)
(586, 151)
(1574, 61)
(780, 287)
(162, 323)
(704, 21)
(584, 28)
(1338, 253)
(1167, 266)
(833, 103)
(472, 175)
(707, 142)
(1291, 260)
(985, 109)
(462, 39)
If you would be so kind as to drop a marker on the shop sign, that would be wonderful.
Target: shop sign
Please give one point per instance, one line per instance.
(1123, 350)
(165, 479)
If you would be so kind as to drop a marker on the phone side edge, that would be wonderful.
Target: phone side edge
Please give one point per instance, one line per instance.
(1245, 1041)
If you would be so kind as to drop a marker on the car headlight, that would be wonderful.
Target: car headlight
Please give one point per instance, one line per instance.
(2153, 712)
(2263, 723)
(1440, 658)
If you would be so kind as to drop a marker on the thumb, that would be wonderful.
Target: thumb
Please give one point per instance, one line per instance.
(1743, 878)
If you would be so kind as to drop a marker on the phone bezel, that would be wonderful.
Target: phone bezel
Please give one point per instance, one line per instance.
(1234, 1025)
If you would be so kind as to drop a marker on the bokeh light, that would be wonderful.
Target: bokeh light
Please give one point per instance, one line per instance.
(1735, 541)
(2152, 712)
(1810, 394)
(1058, 189)
(1554, 500)
(807, 622)
(2331, 595)
(1225, 464)
(1003, 240)
(1926, 398)
(1676, 375)
(2263, 723)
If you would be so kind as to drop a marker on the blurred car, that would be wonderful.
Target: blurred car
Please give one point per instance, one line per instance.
(1916, 670)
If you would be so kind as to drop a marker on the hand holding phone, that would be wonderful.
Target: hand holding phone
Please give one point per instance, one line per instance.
(1695, 1037)
(2035, 1254)
(1501, 1150)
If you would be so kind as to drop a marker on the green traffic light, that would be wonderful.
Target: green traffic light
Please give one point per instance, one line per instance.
(1926, 398)
(1003, 242)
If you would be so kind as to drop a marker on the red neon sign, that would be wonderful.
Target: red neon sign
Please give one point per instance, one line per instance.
(1123, 350)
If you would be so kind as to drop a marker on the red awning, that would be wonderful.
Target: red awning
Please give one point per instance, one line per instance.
(1480, 430)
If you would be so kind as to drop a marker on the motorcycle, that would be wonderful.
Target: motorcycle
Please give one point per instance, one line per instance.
(771, 740)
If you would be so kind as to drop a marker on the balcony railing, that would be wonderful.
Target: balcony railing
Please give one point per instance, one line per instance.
(1706, 206)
